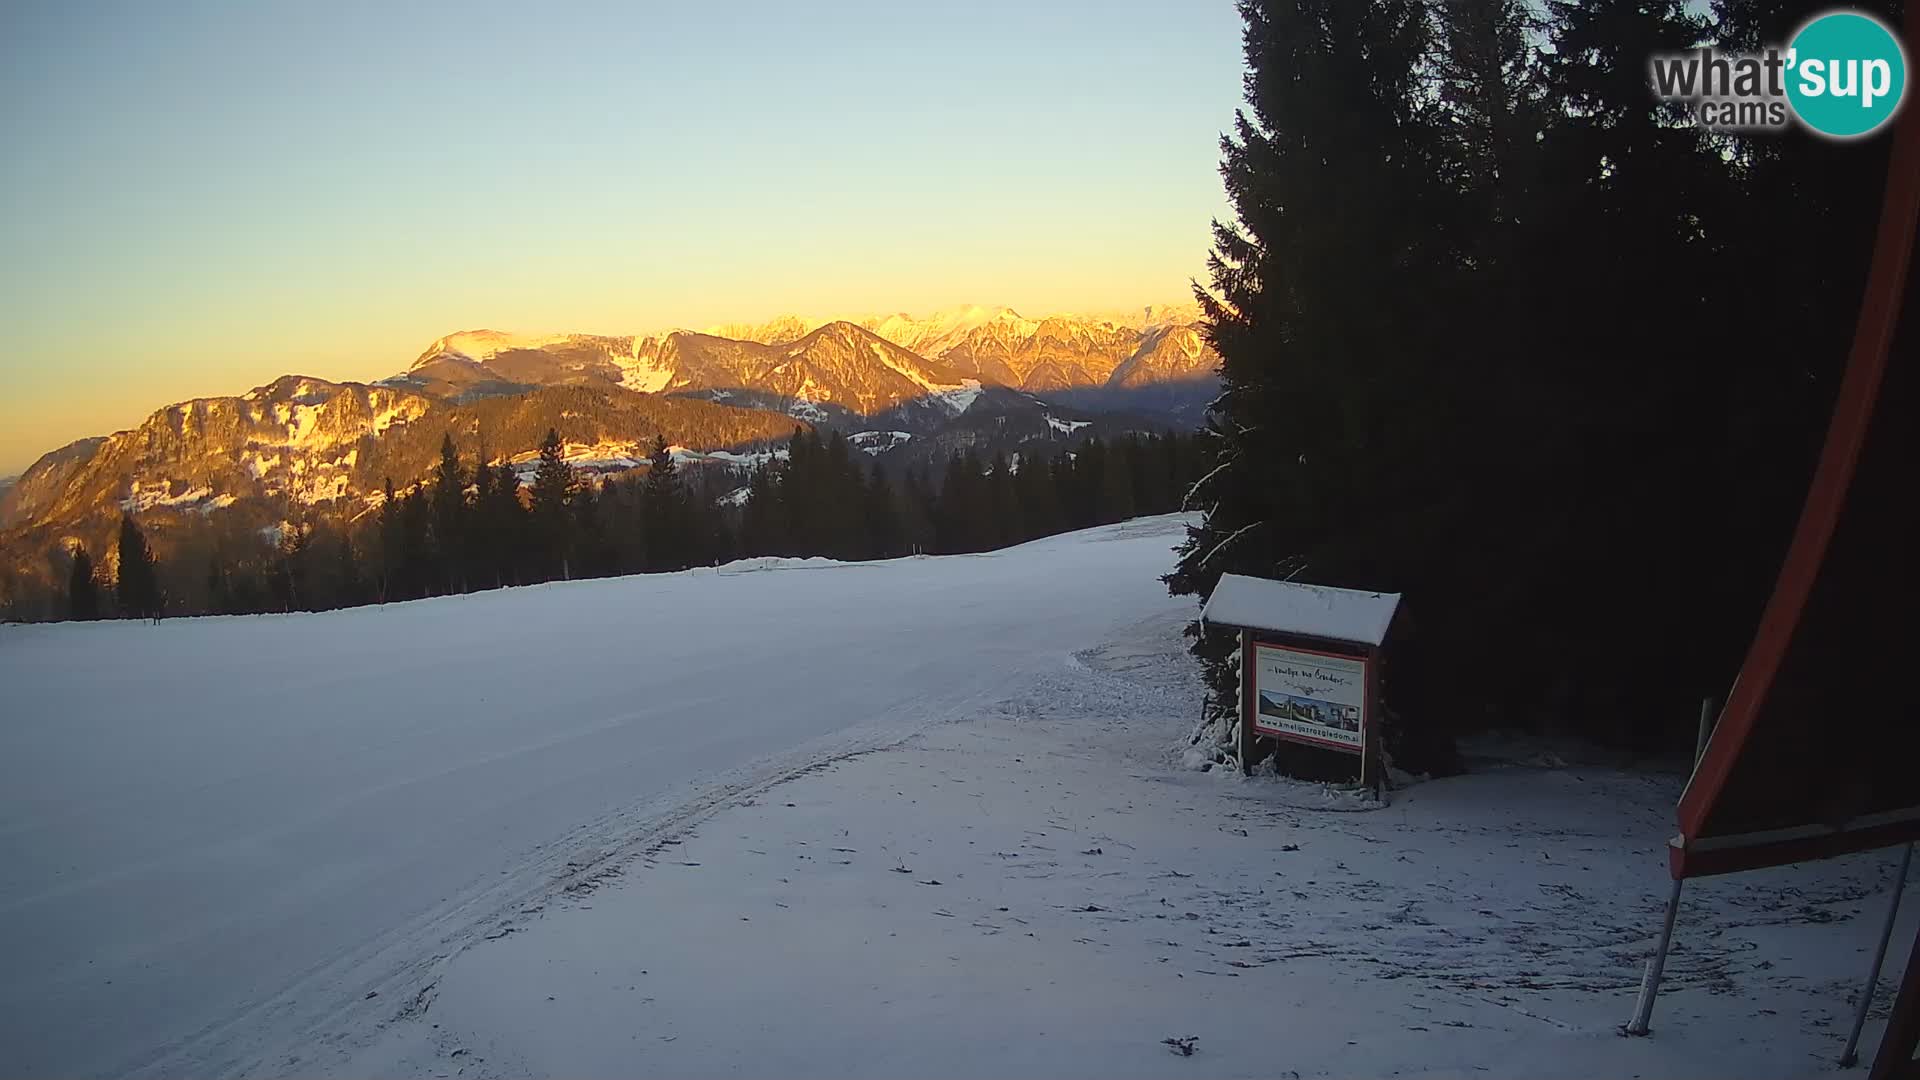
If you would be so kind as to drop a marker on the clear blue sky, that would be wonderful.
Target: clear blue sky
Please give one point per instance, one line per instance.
(195, 198)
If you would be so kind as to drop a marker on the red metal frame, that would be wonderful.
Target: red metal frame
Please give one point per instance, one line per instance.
(1853, 410)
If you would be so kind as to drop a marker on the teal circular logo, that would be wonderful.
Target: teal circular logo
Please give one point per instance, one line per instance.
(1846, 74)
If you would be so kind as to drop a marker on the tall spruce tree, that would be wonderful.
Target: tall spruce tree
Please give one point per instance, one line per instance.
(760, 525)
(450, 520)
(843, 526)
(1315, 307)
(1039, 501)
(665, 511)
(1120, 482)
(505, 524)
(1002, 526)
(554, 483)
(884, 534)
(83, 595)
(138, 586)
(392, 545)
(588, 525)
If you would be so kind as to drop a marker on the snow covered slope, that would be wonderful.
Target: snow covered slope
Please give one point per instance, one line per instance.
(1036, 893)
(218, 835)
(632, 827)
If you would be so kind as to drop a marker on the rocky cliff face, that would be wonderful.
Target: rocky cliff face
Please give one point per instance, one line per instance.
(310, 441)
(34, 490)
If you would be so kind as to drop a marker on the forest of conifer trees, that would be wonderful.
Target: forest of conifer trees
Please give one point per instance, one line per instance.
(473, 525)
(1503, 332)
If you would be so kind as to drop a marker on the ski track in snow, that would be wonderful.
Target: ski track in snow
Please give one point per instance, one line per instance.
(560, 831)
(219, 836)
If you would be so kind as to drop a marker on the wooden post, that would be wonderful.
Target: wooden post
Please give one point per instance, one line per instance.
(1249, 701)
(1366, 724)
(1373, 771)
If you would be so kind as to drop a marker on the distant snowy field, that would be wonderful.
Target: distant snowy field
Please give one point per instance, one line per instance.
(216, 834)
(919, 818)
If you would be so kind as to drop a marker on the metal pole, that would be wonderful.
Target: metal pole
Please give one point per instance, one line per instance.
(1847, 1059)
(1650, 984)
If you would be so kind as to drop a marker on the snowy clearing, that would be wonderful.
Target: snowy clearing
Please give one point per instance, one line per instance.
(803, 818)
(1036, 892)
(218, 835)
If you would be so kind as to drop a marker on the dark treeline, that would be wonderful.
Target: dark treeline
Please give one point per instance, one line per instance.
(479, 525)
(1505, 333)
(822, 501)
(134, 592)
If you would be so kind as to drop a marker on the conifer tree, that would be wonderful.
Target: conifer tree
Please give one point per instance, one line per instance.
(482, 542)
(1039, 502)
(1091, 492)
(1120, 482)
(665, 511)
(588, 528)
(219, 600)
(450, 516)
(760, 517)
(1491, 112)
(965, 505)
(290, 575)
(706, 535)
(554, 483)
(1065, 492)
(416, 551)
(917, 512)
(138, 589)
(506, 524)
(1329, 172)
(349, 579)
(392, 545)
(882, 518)
(83, 595)
(842, 525)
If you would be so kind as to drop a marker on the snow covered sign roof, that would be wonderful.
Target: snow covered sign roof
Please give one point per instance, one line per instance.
(1291, 607)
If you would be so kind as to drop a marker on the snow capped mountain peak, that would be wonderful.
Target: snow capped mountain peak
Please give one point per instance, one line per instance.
(970, 315)
(482, 345)
(778, 330)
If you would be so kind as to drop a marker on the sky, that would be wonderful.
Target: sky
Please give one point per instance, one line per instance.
(197, 198)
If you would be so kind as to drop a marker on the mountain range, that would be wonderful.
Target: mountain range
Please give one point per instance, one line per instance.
(905, 390)
(840, 368)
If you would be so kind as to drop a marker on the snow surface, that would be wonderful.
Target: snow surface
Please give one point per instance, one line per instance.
(1293, 607)
(217, 835)
(141, 499)
(876, 443)
(958, 399)
(1037, 893)
(1065, 427)
(713, 824)
(644, 373)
